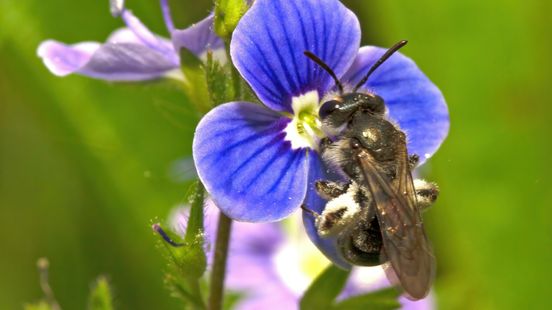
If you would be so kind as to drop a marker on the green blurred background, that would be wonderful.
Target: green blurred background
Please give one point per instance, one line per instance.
(84, 163)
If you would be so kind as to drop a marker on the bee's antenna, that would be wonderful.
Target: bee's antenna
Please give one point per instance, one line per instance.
(382, 59)
(324, 66)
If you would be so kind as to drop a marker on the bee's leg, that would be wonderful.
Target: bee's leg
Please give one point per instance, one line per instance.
(310, 211)
(324, 144)
(426, 193)
(329, 190)
(362, 246)
(413, 161)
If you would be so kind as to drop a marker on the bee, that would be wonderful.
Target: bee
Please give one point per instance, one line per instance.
(375, 215)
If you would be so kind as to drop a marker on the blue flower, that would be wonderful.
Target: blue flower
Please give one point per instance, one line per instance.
(260, 163)
(132, 53)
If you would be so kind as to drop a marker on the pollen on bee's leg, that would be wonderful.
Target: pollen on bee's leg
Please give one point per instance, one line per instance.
(426, 193)
(330, 190)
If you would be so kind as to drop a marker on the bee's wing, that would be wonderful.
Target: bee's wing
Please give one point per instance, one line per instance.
(405, 243)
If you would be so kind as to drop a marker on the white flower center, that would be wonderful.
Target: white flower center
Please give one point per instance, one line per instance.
(298, 262)
(304, 129)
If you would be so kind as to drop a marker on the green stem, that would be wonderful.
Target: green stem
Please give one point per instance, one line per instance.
(218, 274)
(195, 229)
(236, 77)
(195, 222)
(196, 289)
(219, 265)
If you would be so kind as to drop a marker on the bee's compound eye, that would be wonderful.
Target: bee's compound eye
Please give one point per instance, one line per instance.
(355, 144)
(328, 108)
(379, 106)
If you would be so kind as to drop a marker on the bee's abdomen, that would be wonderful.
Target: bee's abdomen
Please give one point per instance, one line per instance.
(362, 245)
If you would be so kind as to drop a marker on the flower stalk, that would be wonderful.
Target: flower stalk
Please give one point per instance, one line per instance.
(43, 266)
(236, 79)
(219, 264)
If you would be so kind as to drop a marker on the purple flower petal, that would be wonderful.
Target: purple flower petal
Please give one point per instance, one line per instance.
(246, 165)
(253, 247)
(268, 44)
(427, 303)
(198, 38)
(269, 296)
(123, 35)
(413, 101)
(114, 62)
(166, 9)
(148, 38)
(62, 60)
(328, 245)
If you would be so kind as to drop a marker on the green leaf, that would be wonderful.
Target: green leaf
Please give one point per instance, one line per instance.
(227, 15)
(385, 299)
(325, 288)
(231, 299)
(101, 297)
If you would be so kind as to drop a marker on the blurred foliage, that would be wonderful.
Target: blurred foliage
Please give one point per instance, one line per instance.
(325, 288)
(101, 297)
(84, 163)
(41, 305)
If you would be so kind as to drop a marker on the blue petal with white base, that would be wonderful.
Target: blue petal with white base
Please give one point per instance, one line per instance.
(327, 245)
(412, 100)
(247, 166)
(268, 44)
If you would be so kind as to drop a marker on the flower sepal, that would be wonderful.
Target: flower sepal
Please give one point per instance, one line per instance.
(186, 258)
(219, 83)
(195, 81)
(208, 83)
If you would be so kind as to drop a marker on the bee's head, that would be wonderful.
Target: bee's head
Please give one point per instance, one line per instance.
(339, 110)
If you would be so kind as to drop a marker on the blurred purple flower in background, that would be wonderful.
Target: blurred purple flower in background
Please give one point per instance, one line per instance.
(132, 53)
(260, 163)
(272, 264)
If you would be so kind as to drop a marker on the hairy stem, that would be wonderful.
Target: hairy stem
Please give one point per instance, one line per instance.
(195, 222)
(219, 265)
(236, 77)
